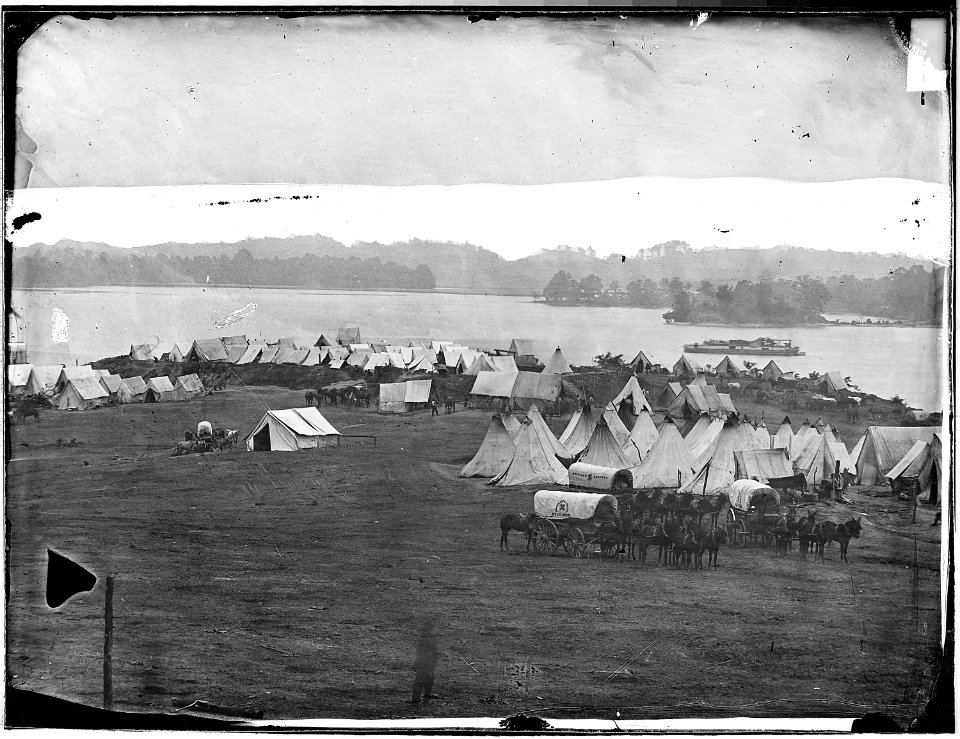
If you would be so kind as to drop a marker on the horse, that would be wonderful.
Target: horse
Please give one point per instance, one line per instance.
(184, 447)
(621, 534)
(449, 405)
(822, 534)
(805, 534)
(28, 406)
(188, 436)
(711, 541)
(516, 522)
(232, 436)
(312, 396)
(685, 544)
(844, 532)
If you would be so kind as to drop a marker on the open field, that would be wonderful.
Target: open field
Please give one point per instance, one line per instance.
(298, 584)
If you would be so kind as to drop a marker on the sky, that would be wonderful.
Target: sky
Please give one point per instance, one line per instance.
(515, 134)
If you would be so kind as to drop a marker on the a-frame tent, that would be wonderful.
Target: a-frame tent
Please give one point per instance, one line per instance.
(174, 355)
(159, 390)
(291, 430)
(141, 352)
(495, 452)
(633, 394)
(132, 390)
(668, 460)
(642, 363)
(82, 393)
(763, 436)
(533, 461)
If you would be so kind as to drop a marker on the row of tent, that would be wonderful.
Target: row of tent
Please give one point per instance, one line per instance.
(82, 387)
(415, 357)
(831, 383)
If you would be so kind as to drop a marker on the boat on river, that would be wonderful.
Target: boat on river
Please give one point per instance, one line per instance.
(763, 346)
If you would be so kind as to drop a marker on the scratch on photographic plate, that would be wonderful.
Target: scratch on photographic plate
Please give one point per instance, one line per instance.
(238, 315)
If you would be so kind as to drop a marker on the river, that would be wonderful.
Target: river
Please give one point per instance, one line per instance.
(105, 321)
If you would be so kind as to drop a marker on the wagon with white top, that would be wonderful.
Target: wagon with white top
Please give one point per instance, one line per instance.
(573, 522)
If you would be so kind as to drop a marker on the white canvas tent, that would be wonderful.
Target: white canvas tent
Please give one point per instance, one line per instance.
(636, 396)
(494, 384)
(511, 423)
(533, 461)
(543, 430)
(557, 365)
(402, 397)
(132, 390)
(159, 390)
(494, 454)
(82, 393)
(644, 433)
(668, 459)
(18, 375)
(110, 383)
(576, 435)
(604, 451)
(291, 430)
(43, 379)
(187, 387)
(885, 446)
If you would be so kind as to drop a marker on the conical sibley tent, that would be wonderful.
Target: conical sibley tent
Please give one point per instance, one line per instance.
(557, 365)
(721, 457)
(644, 433)
(578, 432)
(547, 435)
(748, 437)
(619, 431)
(533, 462)
(604, 451)
(805, 428)
(494, 454)
(706, 441)
(785, 427)
(668, 460)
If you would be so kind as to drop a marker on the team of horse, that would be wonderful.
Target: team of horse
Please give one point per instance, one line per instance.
(334, 395)
(676, 527)
(193, 444)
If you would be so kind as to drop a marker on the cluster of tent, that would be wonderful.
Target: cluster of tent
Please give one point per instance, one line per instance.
(82, 387)
(347, 350)
(830, 383)
(522, 388)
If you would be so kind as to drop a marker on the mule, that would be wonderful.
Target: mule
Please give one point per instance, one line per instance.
(312, 396)
(844, 532)
(711, 541)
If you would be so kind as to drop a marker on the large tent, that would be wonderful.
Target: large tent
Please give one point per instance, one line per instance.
(187, 387)
(762, 464)
(206, 350)
(621, 433)
(312, 358)
(832, 383)
(132, 390)
(911, 463)
(18, 375)
(494, 453)
(633, 393)
(267, 354)
(71, 373)
(544, 432)
(533, 461)
(159, 390)
(696, 400)
(481, 363)
(235, 352)
(668, 463)
(324, 341)
(288, 355)
(887, 445)
(290, 430)
(522, 347)
(557, 365)
(717, 464)
(421, 364)
(43, 379)
(604, 451)
(706, 439)
(402, 397)
(82, 393)
(771, 371)
(494, 384)
(534, 387)
(504, 363)
(576, 435)
(644, 433)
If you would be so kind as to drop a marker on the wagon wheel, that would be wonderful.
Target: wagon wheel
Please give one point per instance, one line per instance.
(544, 537)
(575, 544)
(608, 547)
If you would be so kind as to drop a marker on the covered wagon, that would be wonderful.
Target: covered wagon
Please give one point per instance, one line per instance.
(573, 521)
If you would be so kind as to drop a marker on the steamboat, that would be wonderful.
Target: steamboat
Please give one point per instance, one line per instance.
(763, 345)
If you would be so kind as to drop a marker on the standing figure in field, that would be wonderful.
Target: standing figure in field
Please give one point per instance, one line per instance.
(433, 408)
(425, 665)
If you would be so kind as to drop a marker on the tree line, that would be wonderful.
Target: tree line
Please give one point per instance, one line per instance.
(72, 268)
(912, 295)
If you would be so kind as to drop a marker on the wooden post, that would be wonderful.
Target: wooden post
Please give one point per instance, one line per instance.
(706, 477)
(108, 646)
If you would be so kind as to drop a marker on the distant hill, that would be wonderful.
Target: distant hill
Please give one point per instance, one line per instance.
(473, 268)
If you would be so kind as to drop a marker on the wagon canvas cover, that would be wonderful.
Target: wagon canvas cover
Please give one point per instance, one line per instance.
(743, 492)
(564, 504)
(597, 478)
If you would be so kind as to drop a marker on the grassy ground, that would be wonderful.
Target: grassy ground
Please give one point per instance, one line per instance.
(298, 584)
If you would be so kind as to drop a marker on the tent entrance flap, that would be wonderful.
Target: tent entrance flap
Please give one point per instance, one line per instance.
(261, 439)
